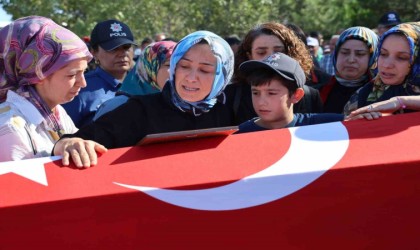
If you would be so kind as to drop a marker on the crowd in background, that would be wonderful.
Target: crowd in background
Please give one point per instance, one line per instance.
(56, 100)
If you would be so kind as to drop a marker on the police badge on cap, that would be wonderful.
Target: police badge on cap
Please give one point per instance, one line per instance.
(111, 34)
(390, 18)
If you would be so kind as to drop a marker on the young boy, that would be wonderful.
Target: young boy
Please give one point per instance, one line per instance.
(276, 85)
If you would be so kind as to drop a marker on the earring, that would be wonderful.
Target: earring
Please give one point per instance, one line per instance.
(96, 61)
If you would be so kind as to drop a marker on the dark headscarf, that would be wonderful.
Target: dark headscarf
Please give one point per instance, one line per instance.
(365, 35)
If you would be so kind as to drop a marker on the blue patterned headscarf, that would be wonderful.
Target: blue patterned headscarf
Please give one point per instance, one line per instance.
(365, 35)
(224, 71)
(412, 82)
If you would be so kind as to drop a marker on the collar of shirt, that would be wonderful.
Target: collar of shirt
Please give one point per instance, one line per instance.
(292, 123)
(107, 77)
(25, 107)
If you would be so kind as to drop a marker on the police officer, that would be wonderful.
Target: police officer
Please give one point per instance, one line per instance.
(112, 45)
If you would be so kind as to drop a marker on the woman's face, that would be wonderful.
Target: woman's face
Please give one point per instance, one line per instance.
(64, 84)
(163, 74)
(116, 62)
(195, 72)
(265, 45)
(394, 60)
(352, 59)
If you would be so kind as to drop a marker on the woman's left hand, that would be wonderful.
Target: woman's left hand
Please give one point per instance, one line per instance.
(368, 115)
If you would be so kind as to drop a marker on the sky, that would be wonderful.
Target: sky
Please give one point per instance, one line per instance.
(4, 18)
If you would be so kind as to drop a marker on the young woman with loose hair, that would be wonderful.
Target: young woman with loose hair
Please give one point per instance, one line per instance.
(260, 42)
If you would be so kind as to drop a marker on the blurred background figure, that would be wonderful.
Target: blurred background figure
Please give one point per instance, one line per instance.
(160, 36)
(387, 21)
(145, 42)
(91, 64)
(317, 77)
(327, 60)
(112, 47)
(320, 52)
(234, 41)
(139, 48)
(313, 45)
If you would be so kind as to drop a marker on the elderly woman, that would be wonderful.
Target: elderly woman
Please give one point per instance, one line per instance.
(200, 68)
(41, 67)
(354, 60)
(398, 68)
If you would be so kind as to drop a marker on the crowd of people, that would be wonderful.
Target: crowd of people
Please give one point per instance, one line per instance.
(53, 101)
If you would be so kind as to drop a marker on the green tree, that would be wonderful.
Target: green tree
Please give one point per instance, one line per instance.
(178, 18)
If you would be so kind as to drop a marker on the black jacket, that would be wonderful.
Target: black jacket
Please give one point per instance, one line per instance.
(148, 114)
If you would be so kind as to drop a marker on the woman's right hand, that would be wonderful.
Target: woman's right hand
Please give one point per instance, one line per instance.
(82, 152)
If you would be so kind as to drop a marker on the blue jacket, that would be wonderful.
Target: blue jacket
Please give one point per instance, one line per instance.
(298, 120)
(101, 86)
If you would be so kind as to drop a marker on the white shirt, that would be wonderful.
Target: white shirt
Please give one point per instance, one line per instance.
(24, 133)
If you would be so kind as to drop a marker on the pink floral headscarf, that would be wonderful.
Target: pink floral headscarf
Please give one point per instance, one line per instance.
(32, 48)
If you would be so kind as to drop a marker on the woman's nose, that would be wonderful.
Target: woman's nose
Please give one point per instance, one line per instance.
(352, 57)
(386, 62)
(192, 75)
(82, 81)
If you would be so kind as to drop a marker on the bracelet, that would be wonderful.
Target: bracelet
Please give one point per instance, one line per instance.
(402, 105)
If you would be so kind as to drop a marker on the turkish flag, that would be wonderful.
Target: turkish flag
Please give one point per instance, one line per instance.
(351, 185)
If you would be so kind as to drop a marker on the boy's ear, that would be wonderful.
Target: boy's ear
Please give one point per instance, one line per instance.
(299, 93)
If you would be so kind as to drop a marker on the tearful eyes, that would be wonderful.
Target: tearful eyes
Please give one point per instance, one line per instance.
(205, 70)
(401, 58)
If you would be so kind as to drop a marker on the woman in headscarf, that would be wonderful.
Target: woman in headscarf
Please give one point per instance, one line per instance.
(41, 67)
(151, 74)
(354, 61)
(200, 68)
(398, 68)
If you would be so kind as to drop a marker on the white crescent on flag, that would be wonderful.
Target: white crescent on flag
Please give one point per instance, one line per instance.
(367, 198)
(313, 150)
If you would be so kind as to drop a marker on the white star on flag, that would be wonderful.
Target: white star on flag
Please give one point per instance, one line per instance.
(32, 169)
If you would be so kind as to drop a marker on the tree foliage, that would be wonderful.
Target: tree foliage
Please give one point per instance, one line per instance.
(224, 17)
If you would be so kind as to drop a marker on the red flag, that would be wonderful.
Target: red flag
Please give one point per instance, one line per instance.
(324, 186)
